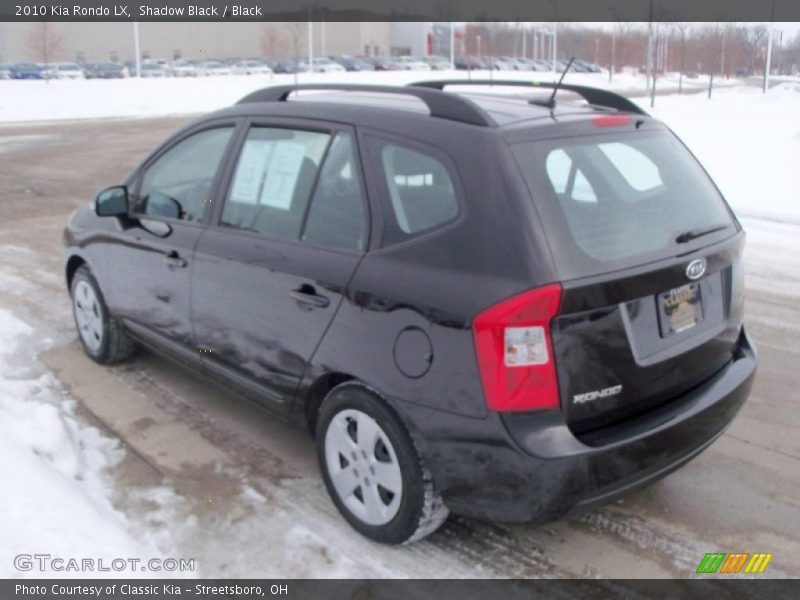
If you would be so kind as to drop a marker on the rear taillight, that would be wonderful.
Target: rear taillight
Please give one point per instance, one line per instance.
(515, 351)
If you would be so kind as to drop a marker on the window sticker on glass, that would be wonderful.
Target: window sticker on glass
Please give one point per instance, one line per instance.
(250, 171)
(284, 169)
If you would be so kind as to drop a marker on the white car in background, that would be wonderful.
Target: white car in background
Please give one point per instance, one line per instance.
(183, 68)
(412, 63)
(322, 65)
(69, 71)
(213, 67)
(49, 71)
(153, 69)
(250, 67)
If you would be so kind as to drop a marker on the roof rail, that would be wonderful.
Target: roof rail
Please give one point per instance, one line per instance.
(439, 103)
(594, 96)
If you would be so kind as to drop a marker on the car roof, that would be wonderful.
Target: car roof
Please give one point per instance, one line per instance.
(372, 106)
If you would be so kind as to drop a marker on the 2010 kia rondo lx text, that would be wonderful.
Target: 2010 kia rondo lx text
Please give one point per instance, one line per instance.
(502, 306)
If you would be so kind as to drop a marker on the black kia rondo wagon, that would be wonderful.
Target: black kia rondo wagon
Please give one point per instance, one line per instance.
(484, 302)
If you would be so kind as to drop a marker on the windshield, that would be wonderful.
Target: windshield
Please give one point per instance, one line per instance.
(613, 201)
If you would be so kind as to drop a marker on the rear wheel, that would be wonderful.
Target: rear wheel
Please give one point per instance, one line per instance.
(372, 469)
(103, 338)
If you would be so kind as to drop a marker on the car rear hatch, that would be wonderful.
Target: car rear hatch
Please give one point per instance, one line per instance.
(649, 257)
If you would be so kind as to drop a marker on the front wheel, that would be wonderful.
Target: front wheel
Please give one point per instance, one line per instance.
(103, 338)
(372, 469)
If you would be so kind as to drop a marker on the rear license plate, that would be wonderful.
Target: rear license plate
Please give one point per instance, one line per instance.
(680, 309)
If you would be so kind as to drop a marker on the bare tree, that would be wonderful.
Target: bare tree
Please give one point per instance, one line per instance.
(756, 36)
(682, 27)
(272, 41)
(44, 43)
(296, 31)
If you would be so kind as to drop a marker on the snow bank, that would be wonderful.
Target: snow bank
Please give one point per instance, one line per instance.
(97, 98)
(748, 141)
(55, 497)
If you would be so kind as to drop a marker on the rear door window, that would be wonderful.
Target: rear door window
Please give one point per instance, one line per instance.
(419, 192)
(612, 201)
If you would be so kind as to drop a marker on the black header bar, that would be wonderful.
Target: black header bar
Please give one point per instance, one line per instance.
(400, 10)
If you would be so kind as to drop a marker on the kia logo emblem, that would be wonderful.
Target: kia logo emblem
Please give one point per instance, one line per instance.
(696, 269)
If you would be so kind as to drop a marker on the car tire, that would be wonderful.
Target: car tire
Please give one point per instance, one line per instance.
(103, 338)
(348, 461)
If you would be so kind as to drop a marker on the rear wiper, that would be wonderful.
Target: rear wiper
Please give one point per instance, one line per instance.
(693, 234)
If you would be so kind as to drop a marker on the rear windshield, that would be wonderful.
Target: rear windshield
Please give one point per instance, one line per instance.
(609, 202)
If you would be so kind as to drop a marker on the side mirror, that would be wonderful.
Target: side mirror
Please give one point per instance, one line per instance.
(112, 202)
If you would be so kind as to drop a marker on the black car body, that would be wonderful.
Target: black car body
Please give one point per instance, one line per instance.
(550, 331)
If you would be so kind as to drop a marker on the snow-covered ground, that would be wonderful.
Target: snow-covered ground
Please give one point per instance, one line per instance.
(57, 497)
(95, 98)
(748, 141)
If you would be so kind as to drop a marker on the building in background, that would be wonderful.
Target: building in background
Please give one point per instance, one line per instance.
(95, 42)
(424, 38)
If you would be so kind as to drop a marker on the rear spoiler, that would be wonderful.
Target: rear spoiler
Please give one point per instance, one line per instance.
(594, 96)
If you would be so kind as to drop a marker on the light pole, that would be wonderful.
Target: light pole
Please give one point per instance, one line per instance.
(136, 51)
(452, 45)
(310, 42)
(769, 57)
(555, 45)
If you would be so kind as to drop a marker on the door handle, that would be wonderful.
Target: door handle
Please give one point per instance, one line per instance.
(307, 296)
(175, 260)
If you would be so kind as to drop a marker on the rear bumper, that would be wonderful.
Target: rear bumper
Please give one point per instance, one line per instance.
(531, 467)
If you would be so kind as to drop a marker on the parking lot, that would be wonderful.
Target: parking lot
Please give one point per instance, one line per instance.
(212, 477)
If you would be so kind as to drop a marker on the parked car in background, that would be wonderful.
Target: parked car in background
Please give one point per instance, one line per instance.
(69, 71)
(6, 71)
(27, 71)
(250, 67)
(436, 63)
(470, 63)
(110, 70)
(542, 64)
(384, 63)
(151, 70)
(213, 67)
(183, 68)
(513, 63)
(283, 65)
(321, 64)
(48, 71)
(412, 63)
(351, 63)
(501, 64)
(162, 62)
(527, 64)
(589, 67)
